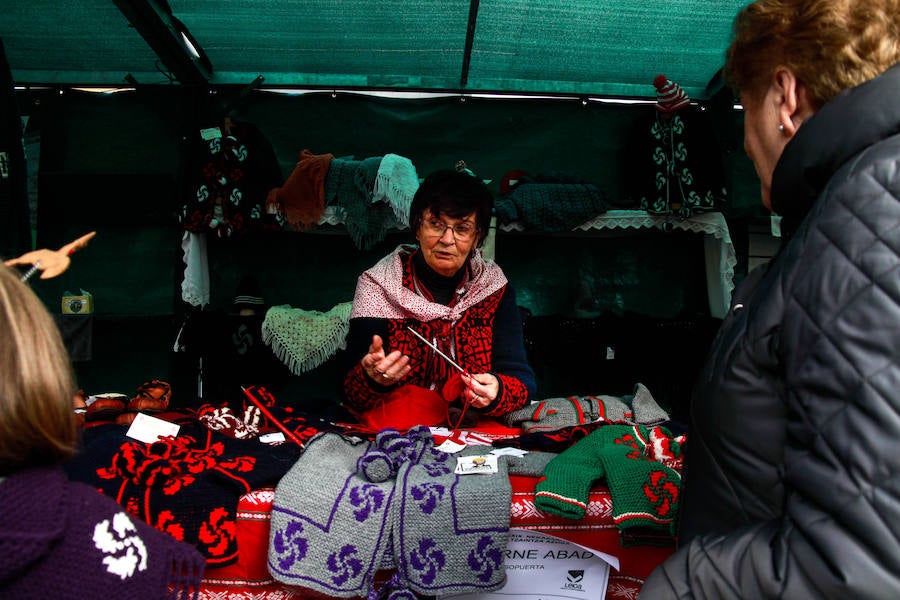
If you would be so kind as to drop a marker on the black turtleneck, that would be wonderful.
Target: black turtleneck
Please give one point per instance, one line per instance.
(442, 288)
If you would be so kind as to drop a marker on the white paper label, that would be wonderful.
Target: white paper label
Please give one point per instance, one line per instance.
(471, 465)
(149, 429)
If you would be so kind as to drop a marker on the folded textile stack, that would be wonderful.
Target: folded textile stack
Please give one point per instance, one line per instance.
(551, 206)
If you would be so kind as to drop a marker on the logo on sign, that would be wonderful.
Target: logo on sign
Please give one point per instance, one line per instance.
(573, 580)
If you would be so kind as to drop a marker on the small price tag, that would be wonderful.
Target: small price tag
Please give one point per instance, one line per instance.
(470, 465)
(272, 438)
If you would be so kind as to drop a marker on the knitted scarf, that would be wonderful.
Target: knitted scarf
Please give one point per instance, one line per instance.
(551, 206)
(302, 197)
(63, 540)
(380, 291)
(396, 184)
(350, 185)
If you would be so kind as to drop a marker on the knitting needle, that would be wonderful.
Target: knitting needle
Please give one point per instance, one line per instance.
(265, 411)
(31, 271)
(435, 348)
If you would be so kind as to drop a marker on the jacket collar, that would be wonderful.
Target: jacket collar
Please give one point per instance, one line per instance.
(849, 123)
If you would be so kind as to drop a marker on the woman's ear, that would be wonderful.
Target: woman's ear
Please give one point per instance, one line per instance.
(792, 96)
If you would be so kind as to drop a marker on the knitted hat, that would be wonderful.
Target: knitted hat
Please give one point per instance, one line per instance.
(553, 414)
(669, 95)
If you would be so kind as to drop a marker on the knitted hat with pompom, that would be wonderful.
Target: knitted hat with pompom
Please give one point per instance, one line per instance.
(669, 95)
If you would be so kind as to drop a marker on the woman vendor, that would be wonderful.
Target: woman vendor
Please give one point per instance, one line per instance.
(443, 290)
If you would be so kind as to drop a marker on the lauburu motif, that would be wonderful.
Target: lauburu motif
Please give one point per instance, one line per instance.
(662, 492)
(349, 507)
(368, 500)
(428, 496)
(485, 558)
(428, 560)
(345, 564)
(289, 545)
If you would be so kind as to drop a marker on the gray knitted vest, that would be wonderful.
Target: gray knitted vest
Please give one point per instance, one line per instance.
(348, 508)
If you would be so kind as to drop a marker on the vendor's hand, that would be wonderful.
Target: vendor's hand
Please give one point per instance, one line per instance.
(51, 262)
(384, 369)
(481, 389)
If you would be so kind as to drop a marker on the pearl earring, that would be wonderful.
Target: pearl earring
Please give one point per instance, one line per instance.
(781, 128)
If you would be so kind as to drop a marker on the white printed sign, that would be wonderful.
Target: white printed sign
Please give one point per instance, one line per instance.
(543, 567)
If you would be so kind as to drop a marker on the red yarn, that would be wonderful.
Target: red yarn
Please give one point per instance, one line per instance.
(412, 405)
(406, 407)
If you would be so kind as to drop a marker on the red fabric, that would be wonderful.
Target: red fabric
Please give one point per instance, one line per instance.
(406, 407)
(249, 577)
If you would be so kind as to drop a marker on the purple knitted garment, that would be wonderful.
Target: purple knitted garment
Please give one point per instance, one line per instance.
(64, 540)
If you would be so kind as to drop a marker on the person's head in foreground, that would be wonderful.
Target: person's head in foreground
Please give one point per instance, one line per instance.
(61, 539)
(788, 58)
(37, 426)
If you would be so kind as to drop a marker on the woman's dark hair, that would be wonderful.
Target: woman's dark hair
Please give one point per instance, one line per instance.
(455, 194)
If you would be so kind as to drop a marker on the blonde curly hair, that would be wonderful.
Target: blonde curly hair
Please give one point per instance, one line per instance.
(831, 45)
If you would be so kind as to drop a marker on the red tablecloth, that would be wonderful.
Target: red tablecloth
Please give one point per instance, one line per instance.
(249, 578)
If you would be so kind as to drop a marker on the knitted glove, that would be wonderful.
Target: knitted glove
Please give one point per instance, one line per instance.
(553, 414)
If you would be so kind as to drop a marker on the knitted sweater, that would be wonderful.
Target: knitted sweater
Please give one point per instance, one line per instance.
(61, 540)
(480, 327)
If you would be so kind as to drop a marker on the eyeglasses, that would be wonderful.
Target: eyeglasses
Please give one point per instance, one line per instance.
(463, 231)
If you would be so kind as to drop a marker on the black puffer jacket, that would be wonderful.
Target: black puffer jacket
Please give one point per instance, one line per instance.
(792, 487)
